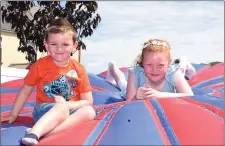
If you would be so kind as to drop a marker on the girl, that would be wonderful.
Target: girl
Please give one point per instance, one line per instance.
(154, 75)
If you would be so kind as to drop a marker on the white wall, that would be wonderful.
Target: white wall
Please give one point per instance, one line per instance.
(10, 55)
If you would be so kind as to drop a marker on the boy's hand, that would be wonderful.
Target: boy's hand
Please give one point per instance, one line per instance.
(11, 118)
(60, 99)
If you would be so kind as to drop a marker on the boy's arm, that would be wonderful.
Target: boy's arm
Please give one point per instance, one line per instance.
(19, 103)
(86, 99)
(21, 98)
(85, 92)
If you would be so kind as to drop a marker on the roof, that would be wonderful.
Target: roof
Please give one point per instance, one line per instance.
(20, 65)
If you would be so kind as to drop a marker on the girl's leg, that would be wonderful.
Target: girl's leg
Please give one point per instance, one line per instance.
(117, 75)
(115, 72)
(83, 114)
(189, 70)
(109, 77)
(49, 121)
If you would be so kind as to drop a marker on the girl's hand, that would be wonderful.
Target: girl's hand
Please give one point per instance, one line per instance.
(140, 93)
(150, 93)
(11, 118)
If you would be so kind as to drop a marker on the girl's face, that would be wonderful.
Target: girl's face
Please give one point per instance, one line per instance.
(155, 65)
(60, 46)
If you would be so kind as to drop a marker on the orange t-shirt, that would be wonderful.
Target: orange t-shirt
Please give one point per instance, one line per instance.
(52, 80)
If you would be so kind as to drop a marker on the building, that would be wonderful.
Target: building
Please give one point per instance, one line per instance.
(10, 57)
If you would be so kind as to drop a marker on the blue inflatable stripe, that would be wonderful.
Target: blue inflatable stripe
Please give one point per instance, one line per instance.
(221, 90)
(207, 92)
(209, 82)
(197, 91)
(165, 123)
(5, 108)
(13, 134)
(103, 98)
(13, 125)
(214, 101)
(12, 90)
(26, 113)
(132, 125)
(101, 82)
(98, 129)
(101, 76)
(198, 66)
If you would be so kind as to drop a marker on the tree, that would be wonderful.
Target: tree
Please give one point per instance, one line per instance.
(30, 27)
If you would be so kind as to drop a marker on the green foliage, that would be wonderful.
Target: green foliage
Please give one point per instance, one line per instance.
(30, 26)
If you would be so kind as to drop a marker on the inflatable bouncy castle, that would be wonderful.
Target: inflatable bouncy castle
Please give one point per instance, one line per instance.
(195, 120)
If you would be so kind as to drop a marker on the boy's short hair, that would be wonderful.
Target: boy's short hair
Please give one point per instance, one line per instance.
(60, 25)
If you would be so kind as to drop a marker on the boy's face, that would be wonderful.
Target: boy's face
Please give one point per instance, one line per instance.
(60, 46)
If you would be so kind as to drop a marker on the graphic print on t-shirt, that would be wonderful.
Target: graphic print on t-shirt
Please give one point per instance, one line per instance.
(62, 86)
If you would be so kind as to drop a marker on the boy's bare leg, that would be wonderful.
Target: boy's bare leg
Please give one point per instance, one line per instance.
(50, 120)
(83, 114)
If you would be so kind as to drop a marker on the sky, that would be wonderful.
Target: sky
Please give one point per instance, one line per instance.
(194, 29)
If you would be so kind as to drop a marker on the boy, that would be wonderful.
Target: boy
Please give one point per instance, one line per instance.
(64, 95)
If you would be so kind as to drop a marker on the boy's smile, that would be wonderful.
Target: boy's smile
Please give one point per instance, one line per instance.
(60, 46)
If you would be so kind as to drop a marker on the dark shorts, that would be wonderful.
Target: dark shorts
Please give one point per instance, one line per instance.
(43, 108)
